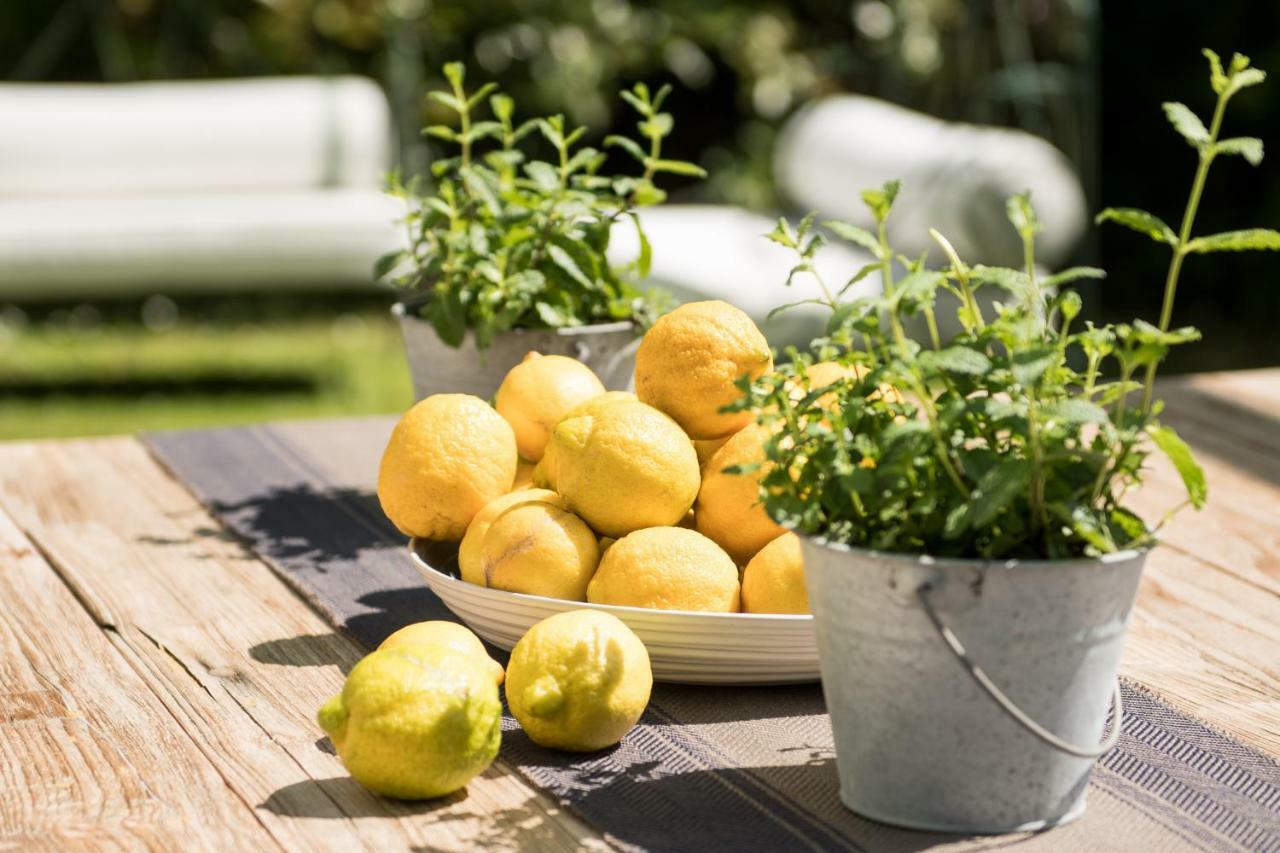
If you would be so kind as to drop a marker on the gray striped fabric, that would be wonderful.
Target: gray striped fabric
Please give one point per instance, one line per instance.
(707, 769)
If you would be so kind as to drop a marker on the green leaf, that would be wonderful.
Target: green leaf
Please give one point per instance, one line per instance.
(561, 259)
(480, 94)
(658, 126)
(1072, 274)
(503, 106)
(1244, 79)
(543, 174)
(880, 201)
(1140, 221)
(387, 263)
(676, 167)
(782, 234)
(629, 145)
(448, 317)
(1180, 455)
(858, 276)
(1217, 78)
(956, 359)
(640, 105)
(854, 234)
(455, 73)
(997, 488)
(440, 131)
(1248, 147)
(1014, 281)
(915, 290)
(789, 305)
(1075, 411)
(448, 100)
(1023, 216)
(645, 258)
(1187, 123)
(1030, 365)
(1249, 239)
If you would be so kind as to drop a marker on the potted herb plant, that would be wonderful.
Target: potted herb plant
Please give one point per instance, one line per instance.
(507, 253)
(970, 558)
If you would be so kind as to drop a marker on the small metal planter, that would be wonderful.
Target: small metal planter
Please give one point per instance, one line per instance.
(969, 696)
(609, 349)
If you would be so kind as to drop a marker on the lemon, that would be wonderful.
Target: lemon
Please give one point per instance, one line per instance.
(537, 392)
(469, 563)
(449, 635)
(825, 373)
(415, 721)
(621, 466)
(539, 548)
(579, 681)
(706, 448)
(690, 359)
(448, 456)
(773, 581)
(667, 568)
(728, 510)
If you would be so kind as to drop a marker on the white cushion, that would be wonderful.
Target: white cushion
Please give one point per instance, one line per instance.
(139, 138)
(955, 177)
(77, 246)
(720, 252)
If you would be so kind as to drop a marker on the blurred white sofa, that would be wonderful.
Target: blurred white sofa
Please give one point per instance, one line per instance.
(163, 186)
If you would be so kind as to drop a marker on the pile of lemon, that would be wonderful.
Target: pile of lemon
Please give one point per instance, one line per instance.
(566, 490)
(563, 489)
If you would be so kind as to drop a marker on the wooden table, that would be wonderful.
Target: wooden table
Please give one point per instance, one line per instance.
(158, 683)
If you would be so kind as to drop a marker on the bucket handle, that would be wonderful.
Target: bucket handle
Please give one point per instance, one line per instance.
(1006, 704)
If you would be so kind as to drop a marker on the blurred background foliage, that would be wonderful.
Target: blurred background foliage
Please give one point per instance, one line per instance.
(1085, 75)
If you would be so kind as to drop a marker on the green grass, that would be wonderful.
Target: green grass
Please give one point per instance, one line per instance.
(92, 370)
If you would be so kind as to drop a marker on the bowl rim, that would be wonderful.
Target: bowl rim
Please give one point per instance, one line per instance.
(424, 566)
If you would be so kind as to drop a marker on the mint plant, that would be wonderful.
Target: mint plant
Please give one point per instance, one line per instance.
(500, 240)
(1022, 436)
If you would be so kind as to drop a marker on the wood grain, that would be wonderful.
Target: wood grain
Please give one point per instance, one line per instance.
(239, 661)
(89, 758)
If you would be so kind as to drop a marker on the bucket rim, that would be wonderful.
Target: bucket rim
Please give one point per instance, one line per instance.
(400, 309)
(929, 560)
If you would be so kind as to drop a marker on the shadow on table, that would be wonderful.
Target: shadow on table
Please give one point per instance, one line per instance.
(341, 797)
(317, 526)
(1216, 424)
(636, 806)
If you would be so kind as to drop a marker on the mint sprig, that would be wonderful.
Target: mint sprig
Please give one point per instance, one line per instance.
(1006, 441)
(498, 239)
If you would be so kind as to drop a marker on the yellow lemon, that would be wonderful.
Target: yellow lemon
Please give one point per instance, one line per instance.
(773, 581)
(448, 456)
(414, 722)
(579, 681)
(621, 467)
(449, 635)
(728, 510)
(537, 392)
(469, 564)
(690, 359)
(666, 568)
(539, 548)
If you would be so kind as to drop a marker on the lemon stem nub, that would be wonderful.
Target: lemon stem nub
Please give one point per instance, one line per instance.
(543, 697)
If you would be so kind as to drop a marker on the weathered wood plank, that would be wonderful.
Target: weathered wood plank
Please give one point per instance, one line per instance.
(88, 756)
(236, 657)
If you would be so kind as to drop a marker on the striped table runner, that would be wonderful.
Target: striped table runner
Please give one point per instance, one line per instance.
(708, 769)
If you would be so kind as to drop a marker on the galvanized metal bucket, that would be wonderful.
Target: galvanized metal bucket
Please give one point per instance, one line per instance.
(609, 349)
(969, 696)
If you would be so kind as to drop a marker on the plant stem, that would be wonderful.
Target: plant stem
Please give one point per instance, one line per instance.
(1184, 237)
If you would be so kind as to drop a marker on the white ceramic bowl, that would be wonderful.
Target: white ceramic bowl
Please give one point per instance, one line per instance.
(684, 646)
